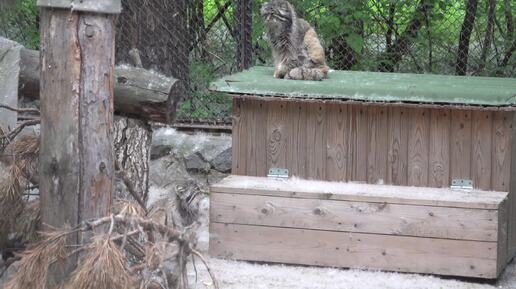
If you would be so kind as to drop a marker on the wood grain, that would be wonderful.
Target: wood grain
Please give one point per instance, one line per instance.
(398, 146)
(460, 152)
(503, 250)
(418, 147)
(337, 130)
(297, 142)
(277, 135)
(251, 110)
(377, 145)
(502, 139)
(482, 124)
(316, 141)
(440, 126)
(306, 189)
(354, 250)
(76, 154)
(59, 164)
(358, 143)
(237, 133)
(358, 217)
(512, 197)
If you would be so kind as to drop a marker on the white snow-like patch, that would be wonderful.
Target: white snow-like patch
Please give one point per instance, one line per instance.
(156, 194)
(245, 275)
(364, 190)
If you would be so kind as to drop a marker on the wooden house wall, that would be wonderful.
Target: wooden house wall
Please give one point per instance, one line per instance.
(338, 141)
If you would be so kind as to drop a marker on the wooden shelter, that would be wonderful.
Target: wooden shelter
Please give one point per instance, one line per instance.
(379, 153)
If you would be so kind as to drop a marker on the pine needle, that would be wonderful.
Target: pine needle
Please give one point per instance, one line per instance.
(35, 262)
(103, 267)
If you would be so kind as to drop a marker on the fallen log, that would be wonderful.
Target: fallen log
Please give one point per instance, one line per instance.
(139, 93)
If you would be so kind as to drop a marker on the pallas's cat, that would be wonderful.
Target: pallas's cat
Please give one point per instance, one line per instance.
(296, 49)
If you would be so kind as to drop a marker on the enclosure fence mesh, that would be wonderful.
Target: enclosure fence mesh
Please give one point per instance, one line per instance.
(197, 41)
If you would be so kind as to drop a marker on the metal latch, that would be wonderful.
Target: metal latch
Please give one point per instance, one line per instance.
(278, 173)
(460, 184)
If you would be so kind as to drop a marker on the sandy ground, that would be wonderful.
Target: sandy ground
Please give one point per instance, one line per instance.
(245, 275)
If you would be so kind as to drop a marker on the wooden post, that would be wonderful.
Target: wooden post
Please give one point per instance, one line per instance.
(77, 77)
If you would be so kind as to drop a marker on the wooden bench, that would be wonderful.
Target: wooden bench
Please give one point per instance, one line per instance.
(380, 227)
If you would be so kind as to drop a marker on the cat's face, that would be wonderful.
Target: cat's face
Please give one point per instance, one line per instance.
(277, 14)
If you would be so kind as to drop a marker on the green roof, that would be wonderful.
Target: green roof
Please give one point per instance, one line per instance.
(376, 87)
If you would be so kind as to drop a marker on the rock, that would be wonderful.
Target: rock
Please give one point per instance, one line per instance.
(196, 163)
(215, 177)
(160, 151)
(222, 162)
(168, 172)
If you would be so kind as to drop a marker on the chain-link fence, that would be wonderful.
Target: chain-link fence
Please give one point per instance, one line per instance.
(197, 41)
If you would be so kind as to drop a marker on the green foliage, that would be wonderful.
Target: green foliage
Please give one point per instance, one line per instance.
(203, 104)
(20, 23)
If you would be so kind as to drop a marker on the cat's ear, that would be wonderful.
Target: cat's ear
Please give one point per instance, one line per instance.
(284, 9)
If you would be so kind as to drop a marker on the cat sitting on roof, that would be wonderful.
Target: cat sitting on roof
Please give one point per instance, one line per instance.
(296, 49)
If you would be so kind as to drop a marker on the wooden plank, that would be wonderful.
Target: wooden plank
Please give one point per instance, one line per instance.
(60, 193)
(354, 250)
(306, 189)
(76, 155)
(316, 141)
(502, 139)
(261, 115)
(502, 250)
(256, 133)
(418, 147)
(297, 144)
(358, 217)
(398, 146)
(277, 135)
(249, 111)
(440, 125)
(97, 48)
(482, 125)
(358, 144)
(460, 152)
(512, 196)
(377, 144)
(236, 135)
(337, 143)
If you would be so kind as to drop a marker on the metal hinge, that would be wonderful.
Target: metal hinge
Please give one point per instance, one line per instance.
(460, 184)
(277, 173)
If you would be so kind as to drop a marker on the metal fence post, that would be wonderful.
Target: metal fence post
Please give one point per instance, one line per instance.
(244, 32)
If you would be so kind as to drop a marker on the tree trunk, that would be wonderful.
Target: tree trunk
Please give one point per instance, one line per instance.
(394, 55)
(511, 38)
(132, 154)
(76, 156)
(491, 10)
(139, 93)
(465, 34)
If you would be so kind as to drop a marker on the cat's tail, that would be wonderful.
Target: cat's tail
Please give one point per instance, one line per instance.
(305, 73)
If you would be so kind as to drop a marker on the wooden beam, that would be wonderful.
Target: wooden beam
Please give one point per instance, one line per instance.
(354, 250)
(139, 93)
(76, 155)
